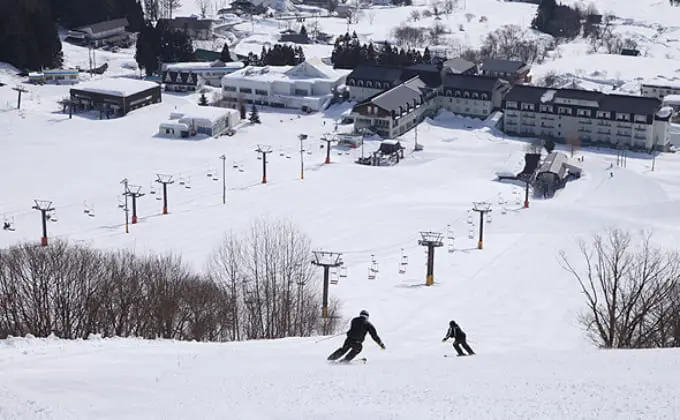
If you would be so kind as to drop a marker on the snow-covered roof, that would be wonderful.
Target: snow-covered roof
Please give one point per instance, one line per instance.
(664, 112)
(203, 66)
(662, 83)
(548, 96)
(175, 125)
(119, 86)
(206, 113)
(303, 71)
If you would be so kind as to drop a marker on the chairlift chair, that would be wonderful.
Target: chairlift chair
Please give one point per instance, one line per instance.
(342, 272)
(488, 217)
(469, 218)
(121, 203)
(471, 234)
(152, 189)
(210, 173)
(187, 183)
(371, 274)
(334, 277)
(451, 244)
(52, 216)
(8, 225)
(504, 210)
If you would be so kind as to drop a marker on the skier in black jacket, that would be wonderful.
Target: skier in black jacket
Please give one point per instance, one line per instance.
(355, 337)
(459, 339)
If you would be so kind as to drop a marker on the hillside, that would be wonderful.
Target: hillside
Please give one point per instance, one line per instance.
(516, 302)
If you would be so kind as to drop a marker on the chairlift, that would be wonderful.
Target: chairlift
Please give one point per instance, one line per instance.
(469, 217)
(152, 189)
(374, 266)
(52, 216)
(210, 173)
(488, 217)
(8, 224)
(342, 272)
(187, 183)
(471, 234)
(404, 258)
(504, 210)
(182, 181)
(334, 277)
(371, 274)
(121, 202)
(451, 244)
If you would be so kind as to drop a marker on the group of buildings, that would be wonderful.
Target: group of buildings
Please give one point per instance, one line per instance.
(391, 101)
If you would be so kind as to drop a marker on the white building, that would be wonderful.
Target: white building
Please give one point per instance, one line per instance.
(57, 77)
(209, 120)
(307, 85)
(588, 117)
(185, 77)
(660, 89)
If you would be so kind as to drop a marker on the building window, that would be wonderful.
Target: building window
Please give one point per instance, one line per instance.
(230, 88)
(564, 110)
(245, 90)
(511, 104)
(475, 95)
(583, 112)
(360, 83)
(485, 97)
(466, 94)
(527, 107)
(369, 84)
(622, 117)
(546, 108)
(378, 85)
(351, 82)
(602, 114)
(641, 118)
(261, 92)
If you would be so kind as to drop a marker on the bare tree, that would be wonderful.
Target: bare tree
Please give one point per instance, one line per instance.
(629, 286)
(410, 36)
(169, 6)
(435, 32)
(152, 10)
(204, 7)
(371, 16)
(415, 15)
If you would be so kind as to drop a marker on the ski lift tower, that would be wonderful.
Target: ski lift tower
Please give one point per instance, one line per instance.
(482, 208)
(430, 240)
(44, 207)
(326, 260)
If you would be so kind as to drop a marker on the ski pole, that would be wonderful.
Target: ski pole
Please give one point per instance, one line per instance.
(328, 338)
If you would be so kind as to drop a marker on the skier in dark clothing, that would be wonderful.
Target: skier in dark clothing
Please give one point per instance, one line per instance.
(355, 337)
(459, 339)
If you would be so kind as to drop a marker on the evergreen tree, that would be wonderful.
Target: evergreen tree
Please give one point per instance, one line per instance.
(254, 115)
(148, 49)
(225, 55)
(427, 56)
(242, 109)
(203, 100)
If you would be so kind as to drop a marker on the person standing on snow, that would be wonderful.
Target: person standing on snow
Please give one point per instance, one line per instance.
(459, 339)
(355, 337)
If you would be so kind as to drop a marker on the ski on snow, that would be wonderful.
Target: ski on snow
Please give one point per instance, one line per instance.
(361, 360)
(458, 355)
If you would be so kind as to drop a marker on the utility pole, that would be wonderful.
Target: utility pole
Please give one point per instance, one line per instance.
(126, 209)
(526, 193)
(165, 180)
(431, 240)
(326, 260)
(482, 208)
(302, 137)
(19, 91)
(134, 191)
(264, 150)
(44, 207)
(224, 178)
(328, 138)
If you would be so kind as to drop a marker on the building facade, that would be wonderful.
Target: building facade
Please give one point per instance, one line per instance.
(114, 97)
(588, 117)
(192, 26)
(57, 77)
(185, 77)
(101, 33)
(395, 111)
(307, 85)
(659, 89)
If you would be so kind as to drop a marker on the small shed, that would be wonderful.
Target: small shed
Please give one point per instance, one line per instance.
(208, 120)
(173, 129)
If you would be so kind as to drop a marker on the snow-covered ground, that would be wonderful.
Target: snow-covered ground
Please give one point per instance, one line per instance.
(518, 306)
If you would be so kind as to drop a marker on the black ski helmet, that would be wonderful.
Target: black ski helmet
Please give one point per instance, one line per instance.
(364, 313)
(452, 323)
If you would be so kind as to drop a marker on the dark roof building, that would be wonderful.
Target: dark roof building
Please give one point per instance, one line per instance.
(460, 66)
(470, 82)
(194, 27)
(101, 33)
(513, 71)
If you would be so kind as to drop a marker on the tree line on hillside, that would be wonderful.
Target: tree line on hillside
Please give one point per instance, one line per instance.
(259, 284)
(28, 35)
(158, 43)
(348, 53)
(278, 55)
